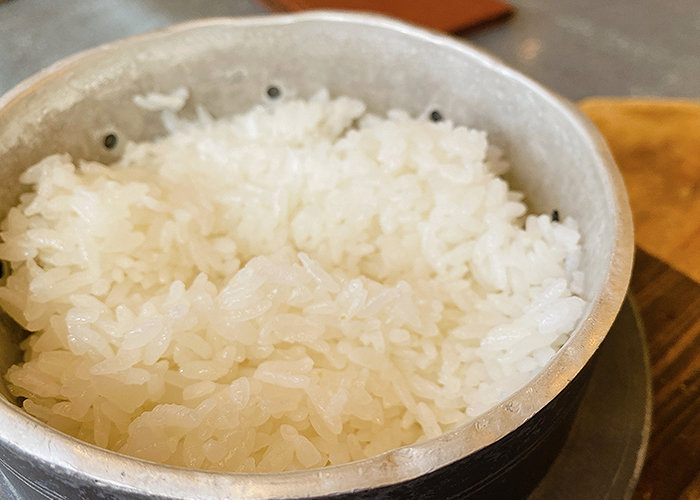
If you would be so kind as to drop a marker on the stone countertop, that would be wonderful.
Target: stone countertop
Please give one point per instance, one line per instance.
(578, 49)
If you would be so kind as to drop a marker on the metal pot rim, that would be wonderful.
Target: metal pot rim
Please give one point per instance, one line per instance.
(39, 442)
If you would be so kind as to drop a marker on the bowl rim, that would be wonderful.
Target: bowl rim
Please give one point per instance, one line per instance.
(37, 441)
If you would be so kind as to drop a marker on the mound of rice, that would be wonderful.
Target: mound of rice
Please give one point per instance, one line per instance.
(302, 285)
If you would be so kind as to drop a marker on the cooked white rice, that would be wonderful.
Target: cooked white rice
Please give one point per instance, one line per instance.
(302, 285)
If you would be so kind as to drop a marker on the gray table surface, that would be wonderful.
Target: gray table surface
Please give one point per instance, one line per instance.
(578, 48)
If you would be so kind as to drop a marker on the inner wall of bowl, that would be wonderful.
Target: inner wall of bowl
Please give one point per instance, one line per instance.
(228, 70)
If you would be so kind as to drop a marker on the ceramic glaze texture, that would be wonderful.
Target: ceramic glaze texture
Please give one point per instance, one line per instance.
(558, 160)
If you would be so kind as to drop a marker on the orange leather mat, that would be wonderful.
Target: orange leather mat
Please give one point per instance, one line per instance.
(443, 15)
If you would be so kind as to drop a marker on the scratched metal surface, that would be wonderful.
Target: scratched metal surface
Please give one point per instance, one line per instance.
(602, 47)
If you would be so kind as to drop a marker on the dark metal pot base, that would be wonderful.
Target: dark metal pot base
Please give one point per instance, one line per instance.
(604, 452)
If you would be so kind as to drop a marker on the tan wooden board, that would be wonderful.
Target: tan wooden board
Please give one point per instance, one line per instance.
(656, 144)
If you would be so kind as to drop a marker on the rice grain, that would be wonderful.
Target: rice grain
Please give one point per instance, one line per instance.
(302, 285)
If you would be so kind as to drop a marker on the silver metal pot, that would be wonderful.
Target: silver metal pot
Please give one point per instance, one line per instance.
(558, 159)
